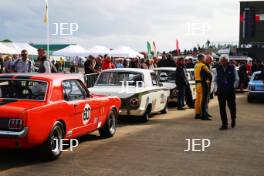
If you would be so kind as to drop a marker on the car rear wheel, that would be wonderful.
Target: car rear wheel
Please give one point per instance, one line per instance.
(109, 128)
(165, 110)
(51, 149)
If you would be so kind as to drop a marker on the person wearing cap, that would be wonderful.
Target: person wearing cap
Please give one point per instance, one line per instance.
(226, 79)
(202, 75)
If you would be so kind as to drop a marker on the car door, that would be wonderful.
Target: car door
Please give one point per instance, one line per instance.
(157, 94)
(85, 110)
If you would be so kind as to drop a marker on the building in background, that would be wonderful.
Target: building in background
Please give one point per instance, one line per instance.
(251, 35)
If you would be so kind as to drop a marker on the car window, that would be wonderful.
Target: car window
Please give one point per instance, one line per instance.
(166, 76)
(258, 77)
(72, 90)
(119, 78)
(23, 89)
(154, 79)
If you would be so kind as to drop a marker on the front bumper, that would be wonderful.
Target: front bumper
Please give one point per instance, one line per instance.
(132, 112)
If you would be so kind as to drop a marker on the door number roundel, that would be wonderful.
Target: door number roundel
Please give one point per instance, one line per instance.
(86, 114)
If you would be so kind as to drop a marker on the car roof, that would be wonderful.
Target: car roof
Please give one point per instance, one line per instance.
(40, 76)
(165, 68)
(139, 70)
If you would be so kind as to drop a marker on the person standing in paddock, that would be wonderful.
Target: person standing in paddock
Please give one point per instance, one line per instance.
(181, 82)
(227, 79)
(201, 74)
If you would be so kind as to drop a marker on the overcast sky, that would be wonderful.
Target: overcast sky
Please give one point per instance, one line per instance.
(123, 22)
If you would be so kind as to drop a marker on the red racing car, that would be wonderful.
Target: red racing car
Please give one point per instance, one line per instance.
(36, 110)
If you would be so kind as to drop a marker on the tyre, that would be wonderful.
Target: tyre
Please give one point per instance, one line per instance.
(51, 149)
(145, 117)
(109, 128)
(249, 99)
(165, 110)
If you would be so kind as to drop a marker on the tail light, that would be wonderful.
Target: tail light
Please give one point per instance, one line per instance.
(15, 124)
(252, 87)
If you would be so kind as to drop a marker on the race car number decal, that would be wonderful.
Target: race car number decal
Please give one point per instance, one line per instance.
(86, 114)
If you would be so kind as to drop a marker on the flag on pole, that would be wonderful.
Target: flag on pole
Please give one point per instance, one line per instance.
(149, 49)
(46, 16)
(177, 47)
(155, 49)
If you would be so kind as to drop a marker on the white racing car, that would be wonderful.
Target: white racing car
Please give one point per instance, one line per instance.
(166, 76)
(140, 91)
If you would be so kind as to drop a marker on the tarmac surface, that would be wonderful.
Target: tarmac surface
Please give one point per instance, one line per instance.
(157, 148)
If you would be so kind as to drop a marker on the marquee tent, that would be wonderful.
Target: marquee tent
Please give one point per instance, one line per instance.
(18, 47)
(96, 51)
(126, 52)
(6, 50)
(71, 51)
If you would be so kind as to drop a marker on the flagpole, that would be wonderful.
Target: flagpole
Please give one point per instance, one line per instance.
(48, 39)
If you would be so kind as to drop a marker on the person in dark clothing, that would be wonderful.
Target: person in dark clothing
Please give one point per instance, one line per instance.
(208, 63)
(181, 82)
(163, 61)
(134, 63)
(242, 72)
(43, 63)
(226, 79)
(170, 61)
(190, 63)
(258, 66)
(1, 64)
(89, 65)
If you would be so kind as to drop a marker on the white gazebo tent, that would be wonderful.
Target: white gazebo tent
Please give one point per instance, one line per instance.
(96, 51)
(18, 47)
(71, 51)
(125, 52)
(6, 50)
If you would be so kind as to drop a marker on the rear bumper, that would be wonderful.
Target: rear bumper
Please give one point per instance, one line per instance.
(256, 94)
(13, 140)
(14, 134)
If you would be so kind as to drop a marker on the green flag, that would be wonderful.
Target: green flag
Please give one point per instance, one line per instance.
(149, 49)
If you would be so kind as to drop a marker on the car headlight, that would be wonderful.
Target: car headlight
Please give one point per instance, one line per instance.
(174, 92)
(134, 102)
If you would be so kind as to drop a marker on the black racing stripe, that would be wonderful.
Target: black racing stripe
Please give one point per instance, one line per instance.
(7, 101)
(24, 77)
(6, 76)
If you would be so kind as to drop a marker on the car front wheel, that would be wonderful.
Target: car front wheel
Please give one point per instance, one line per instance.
(109, 128)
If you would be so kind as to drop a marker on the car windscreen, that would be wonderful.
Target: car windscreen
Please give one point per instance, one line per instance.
(166, 76)
(119, 78)
(23, 89)
(258, 77)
